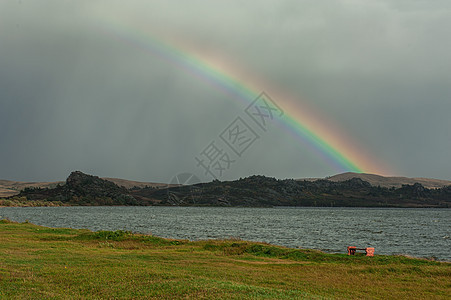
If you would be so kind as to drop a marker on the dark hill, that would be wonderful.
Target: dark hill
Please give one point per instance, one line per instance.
(83, 189)
(387, 181)
(265, 191)
(254, 191)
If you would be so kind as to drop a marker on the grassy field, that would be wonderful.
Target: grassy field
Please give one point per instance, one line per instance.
(45, 263)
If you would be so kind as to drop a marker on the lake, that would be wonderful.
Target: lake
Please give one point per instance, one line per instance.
(415, 232)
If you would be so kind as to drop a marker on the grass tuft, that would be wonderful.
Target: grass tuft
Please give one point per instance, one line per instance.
(118, 235)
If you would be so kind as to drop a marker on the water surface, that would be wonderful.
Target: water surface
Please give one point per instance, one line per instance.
(416, 232)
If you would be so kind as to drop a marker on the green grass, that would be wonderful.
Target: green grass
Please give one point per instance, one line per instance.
(23, 202)
(52, 263)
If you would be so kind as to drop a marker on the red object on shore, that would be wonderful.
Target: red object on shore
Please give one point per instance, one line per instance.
(368, 251)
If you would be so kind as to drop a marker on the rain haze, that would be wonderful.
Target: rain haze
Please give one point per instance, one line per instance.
(82, 87)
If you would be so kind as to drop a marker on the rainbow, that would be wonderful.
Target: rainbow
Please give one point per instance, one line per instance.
(302, 122)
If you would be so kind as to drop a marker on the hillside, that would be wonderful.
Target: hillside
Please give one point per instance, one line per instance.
(397, 182)
(82, 189)
(264, 191)
(10, 188)
(253, 191)
(129, 184)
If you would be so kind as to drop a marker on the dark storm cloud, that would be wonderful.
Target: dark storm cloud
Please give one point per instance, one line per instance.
(75, 96)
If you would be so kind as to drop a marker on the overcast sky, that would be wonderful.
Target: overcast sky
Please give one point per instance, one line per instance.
(75, 96)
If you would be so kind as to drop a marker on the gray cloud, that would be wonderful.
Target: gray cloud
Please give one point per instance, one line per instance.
(75, 96)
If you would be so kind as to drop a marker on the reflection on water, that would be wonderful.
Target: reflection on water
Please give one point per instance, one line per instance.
(416, 232)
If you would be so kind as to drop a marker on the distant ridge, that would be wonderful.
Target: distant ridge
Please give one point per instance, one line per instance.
(253, 191)
(131, 184)
(10, 188)
(397, 182)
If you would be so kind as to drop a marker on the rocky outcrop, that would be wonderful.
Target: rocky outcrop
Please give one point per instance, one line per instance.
(253, 191)
(84, 189)
(265, 191)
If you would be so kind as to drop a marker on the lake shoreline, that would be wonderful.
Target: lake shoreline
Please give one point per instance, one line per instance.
(118, 264)
(431, 259)
(37, 203)
(415, 232)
